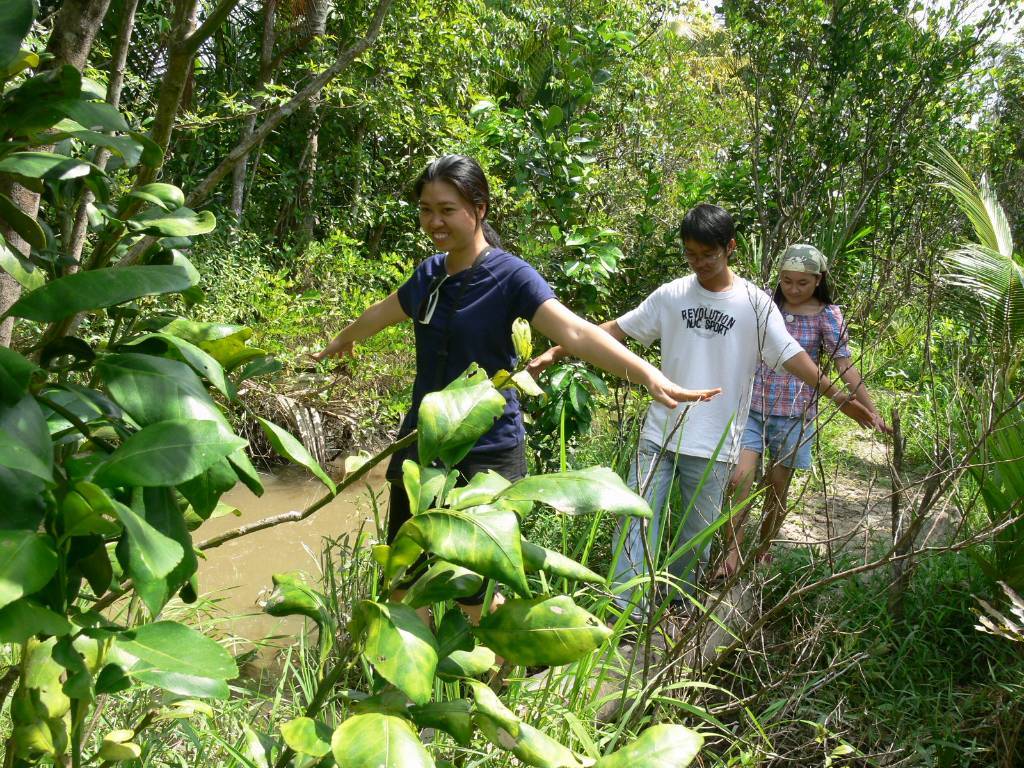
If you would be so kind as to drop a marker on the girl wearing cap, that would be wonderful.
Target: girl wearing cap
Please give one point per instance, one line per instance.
(783, 408)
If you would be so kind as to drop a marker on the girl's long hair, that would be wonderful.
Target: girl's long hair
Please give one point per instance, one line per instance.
(822, 292)
(465, 174)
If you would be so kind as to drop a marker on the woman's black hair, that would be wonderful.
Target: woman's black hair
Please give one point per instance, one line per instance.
(465, 174)
(822, 292)
(708, 225)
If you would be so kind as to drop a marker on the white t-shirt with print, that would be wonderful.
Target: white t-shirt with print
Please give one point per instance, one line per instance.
(709, 339)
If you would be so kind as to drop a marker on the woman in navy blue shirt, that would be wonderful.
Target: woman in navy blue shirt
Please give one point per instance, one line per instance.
(463, 301)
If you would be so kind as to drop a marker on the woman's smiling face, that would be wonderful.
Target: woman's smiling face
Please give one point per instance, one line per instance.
(447, 217)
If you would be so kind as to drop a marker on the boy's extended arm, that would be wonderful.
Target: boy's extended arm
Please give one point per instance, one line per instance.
(375, 318)
(804, 368)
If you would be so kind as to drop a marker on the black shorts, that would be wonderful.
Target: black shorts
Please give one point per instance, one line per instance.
(510, 463)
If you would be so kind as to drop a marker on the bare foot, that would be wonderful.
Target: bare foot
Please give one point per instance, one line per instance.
(765, 558)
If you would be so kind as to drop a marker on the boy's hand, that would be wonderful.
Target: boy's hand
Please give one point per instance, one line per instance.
(670, 394)
(541, 363)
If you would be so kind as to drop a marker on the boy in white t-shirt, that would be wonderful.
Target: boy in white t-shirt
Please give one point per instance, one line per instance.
(715, 328)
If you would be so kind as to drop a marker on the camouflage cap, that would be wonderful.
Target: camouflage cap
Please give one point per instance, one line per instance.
(802, 257)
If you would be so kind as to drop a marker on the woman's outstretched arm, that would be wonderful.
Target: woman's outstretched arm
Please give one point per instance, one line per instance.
(374, 319)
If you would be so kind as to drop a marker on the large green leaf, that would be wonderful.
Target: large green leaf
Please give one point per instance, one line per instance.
(20, 370)
(48, 166)
(168, 453)
(27, 561)
(422, 484)
(484, 539)
(453, 419)
(452, 717)
(15, 22)
(163, 513)
(205, 489)
(225, 343)
(532, 746)
(128, 148)
(17, 456)
(179, 659)
(540, 559)
(246, 472)
(166, 196)
(400, 647)
(22, 61)
(292, 596)
(92, 115)
(27, 274)
(459, 664)
(152, 555)
(481, 489)
(545, 631)
(378, 741)
(181, 222)
(153, 389)
(24, 618)
(660, 746)
(99, 288)
(579, 492)
(443, 581)
(306, 736)
(25, 423)
(22, 223)
(487, 703)
(200, 361)
(290, 448)
(454, 634)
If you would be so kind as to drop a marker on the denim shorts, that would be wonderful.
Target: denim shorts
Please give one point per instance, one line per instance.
(788, 438)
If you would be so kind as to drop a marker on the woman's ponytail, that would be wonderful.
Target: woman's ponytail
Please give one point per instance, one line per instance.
(492, 237)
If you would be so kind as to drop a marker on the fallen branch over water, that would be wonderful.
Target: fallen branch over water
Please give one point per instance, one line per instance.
(297, 515)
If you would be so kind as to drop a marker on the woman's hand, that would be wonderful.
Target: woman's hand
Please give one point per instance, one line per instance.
(335, 349)
(670, 394)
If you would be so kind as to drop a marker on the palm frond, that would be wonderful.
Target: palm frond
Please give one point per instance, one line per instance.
(978, 203)
(997, 623)
(995, 289)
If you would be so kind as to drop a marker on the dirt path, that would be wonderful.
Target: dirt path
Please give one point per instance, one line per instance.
(846, 504)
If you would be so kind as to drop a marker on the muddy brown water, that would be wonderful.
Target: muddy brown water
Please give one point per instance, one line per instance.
(237, 575)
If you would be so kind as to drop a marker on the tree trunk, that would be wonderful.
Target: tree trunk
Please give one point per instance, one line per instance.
(307, 187)
(74, 31)
(203, 190)
(115, 84)
(186, 38)
(10, 289)
(240, 171)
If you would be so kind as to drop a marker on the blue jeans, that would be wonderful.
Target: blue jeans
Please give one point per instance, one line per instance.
(702, 502)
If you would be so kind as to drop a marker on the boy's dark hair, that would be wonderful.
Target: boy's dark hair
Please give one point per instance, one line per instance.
(708, 224)
(465, 174)
(822, 292)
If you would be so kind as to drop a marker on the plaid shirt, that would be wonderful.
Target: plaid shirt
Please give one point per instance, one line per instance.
(782, 394)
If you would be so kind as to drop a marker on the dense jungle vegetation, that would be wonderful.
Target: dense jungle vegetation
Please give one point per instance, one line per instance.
(196, 194)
